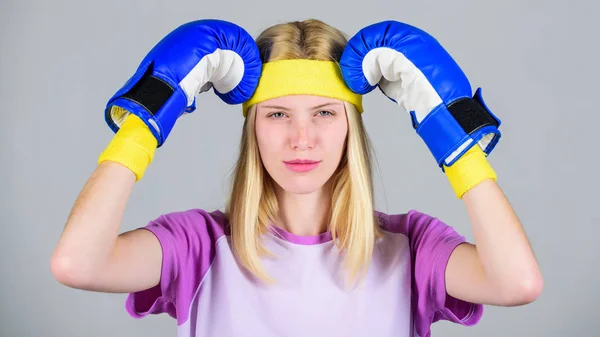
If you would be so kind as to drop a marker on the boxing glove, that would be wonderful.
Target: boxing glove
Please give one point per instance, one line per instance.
(412, 69)
(193, 58)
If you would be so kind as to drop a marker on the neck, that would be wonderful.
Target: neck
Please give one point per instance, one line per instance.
(304, 214)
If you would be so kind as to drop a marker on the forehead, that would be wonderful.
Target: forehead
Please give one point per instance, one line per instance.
(300, 101)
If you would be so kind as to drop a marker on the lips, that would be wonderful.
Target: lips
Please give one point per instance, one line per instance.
(301, 165)
(301, 161)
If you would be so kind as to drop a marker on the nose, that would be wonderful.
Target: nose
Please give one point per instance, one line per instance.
(301, 136)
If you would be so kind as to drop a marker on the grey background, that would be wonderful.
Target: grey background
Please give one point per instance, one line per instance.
(61, 60)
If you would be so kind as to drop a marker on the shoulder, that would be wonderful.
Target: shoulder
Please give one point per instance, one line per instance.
(210, 225)
(189, 240)
(427, 235)
(194, 217)
(431, 243)
(408, 223)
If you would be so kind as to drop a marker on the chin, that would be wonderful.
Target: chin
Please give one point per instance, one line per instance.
(301, 185)
(295, 189)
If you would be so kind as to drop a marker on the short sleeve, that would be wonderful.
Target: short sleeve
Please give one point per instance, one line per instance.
(187, 240)
(431, 244)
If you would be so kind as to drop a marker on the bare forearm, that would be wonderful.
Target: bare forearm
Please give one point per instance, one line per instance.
(93, 225)
(502, 245)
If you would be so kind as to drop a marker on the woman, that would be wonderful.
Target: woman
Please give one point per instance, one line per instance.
(299, 249)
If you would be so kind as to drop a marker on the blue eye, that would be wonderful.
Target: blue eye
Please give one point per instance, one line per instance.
(325, 113)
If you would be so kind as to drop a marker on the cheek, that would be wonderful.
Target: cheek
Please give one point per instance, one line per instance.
(335, 136)
(268, 139)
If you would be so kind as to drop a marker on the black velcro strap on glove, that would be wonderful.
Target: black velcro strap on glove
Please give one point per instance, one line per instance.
(471, 114)
(150, 92)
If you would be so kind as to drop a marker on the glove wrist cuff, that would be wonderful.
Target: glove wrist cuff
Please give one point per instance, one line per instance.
(469, 170)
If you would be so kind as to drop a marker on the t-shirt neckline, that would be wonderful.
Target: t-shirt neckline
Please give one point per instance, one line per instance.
(301, 239)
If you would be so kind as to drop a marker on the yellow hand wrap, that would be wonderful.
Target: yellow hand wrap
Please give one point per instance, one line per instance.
(132, 146)
(302, 77)
(469, 170)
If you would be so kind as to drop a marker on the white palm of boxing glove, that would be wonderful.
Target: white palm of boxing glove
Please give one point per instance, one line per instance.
(400, 80)
(222, 70)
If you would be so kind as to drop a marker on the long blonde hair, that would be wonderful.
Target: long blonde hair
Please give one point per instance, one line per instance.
(252, 204)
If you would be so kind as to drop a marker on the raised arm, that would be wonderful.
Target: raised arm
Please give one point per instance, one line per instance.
(90, 253)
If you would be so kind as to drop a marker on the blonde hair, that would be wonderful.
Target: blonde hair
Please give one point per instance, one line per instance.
(252, 204)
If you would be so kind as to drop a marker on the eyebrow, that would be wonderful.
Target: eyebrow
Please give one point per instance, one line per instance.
(279, 107)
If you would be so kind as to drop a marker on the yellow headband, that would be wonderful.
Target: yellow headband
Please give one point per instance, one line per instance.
(302, 77)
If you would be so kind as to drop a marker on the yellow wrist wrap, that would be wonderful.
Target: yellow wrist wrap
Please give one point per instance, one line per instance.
(469, 170)
(132, 146)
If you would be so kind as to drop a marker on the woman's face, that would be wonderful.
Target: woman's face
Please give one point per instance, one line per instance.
(301, 139)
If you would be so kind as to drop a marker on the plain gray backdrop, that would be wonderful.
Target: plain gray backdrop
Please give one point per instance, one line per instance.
(60, 61)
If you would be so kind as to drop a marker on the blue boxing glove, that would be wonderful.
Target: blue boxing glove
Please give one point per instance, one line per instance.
(193, 58)
(413, 70)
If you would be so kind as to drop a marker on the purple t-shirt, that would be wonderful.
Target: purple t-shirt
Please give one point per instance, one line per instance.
(205, 290)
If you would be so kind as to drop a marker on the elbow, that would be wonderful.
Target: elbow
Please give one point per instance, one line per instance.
(525, 291)
(65, 271)
(62, 270)
(532, 289)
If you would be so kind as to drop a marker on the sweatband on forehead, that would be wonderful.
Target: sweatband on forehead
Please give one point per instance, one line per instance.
(302, 77)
